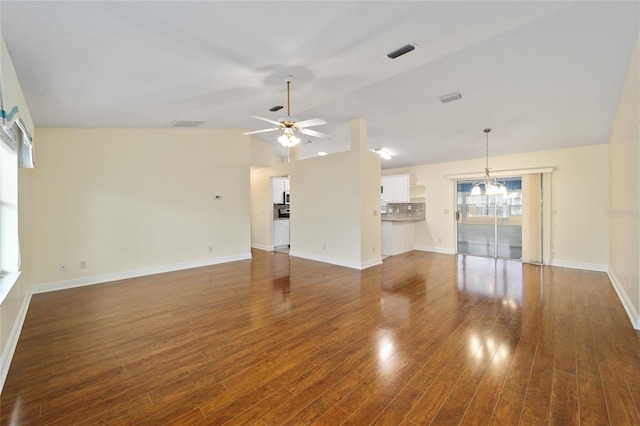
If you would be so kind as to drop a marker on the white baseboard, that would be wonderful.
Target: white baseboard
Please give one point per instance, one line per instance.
(626, 303)
(442, 250)
(579, 265)
(12, 341)
(339, 262)
(99, 279)
(262, 247)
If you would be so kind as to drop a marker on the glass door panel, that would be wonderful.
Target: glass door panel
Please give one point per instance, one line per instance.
(509, 225)
(476, 224)
(490, 225)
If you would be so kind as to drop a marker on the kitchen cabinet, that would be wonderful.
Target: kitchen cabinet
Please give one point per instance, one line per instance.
(278, 186)
(396, 189)
(397, 237)
(281, 233)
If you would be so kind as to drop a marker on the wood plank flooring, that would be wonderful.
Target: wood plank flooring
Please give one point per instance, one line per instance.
(424, 338)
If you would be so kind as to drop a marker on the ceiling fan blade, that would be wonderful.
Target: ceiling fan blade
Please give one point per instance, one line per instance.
(312, 122)
(261, 131)
(315, 134)
(267, 120)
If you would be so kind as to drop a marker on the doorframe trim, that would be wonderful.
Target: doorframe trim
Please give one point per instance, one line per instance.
(501, 173)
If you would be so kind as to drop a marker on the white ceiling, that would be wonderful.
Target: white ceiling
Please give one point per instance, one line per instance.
(543, 75)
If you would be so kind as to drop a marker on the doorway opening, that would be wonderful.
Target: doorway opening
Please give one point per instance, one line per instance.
(490, 225)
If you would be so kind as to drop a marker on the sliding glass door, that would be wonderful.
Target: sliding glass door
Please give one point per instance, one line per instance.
(490, 225)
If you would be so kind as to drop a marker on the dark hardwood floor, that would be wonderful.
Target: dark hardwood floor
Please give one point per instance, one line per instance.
(424, 338)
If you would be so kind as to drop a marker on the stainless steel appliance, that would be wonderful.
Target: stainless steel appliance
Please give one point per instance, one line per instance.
(283, 212)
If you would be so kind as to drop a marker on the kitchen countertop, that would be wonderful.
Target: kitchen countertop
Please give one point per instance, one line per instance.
(401, 219)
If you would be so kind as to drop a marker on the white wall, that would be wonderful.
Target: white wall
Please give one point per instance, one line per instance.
(262, 154)
(137, 200)
(579, 199)
(333, 200)
(624, 223)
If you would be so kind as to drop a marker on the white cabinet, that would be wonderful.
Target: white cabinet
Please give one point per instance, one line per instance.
(280, 233)
(278, 186)
(395, 189)
(397, 237)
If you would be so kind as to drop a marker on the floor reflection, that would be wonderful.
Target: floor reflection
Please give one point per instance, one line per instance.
(281, 283)
(497, 279)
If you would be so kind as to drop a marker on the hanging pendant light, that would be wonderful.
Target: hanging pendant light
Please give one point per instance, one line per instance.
(491, 184)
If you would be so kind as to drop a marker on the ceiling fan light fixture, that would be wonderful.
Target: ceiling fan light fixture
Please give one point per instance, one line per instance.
(288, 138)
(291, 127)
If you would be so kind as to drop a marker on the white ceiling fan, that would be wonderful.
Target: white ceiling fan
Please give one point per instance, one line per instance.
(290, 126)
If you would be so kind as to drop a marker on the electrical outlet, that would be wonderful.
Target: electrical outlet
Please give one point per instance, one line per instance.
(63, 267)
(210, 249)
(324, 247)
(83, 264)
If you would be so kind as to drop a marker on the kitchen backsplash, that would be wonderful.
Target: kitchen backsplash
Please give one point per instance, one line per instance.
(404, 212)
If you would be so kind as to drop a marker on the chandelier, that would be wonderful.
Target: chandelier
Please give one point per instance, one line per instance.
(491, 184)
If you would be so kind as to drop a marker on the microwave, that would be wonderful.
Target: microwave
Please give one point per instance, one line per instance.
(285, 197)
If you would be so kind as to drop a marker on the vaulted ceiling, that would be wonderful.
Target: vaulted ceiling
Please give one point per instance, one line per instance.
(543, 75)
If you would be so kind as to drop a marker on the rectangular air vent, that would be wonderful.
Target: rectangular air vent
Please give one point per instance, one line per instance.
(399, 52)
(187, 123)
(450, 97)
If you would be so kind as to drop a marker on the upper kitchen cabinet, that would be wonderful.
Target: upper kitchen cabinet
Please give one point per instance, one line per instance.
(278, 187)
(396, 189)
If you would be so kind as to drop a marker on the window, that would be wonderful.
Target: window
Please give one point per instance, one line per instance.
(9, 246)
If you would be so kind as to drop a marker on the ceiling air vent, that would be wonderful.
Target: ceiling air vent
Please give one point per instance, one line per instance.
(404, 49)
(187, 123)
(450, 97)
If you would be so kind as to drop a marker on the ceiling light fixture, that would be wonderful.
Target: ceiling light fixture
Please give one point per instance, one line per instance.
(450, 97)
(383, 153)
(491, 185)
(322, 153)
(288, 138)
(291, 127)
